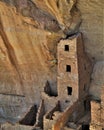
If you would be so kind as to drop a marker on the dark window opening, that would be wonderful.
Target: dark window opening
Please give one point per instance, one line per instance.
(68, 68)
(67, 101)
(85, 127)
(66, 47)
(102, 128)
(69, 89)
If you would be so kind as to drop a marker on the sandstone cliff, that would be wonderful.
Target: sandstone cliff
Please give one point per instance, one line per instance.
(29, 33)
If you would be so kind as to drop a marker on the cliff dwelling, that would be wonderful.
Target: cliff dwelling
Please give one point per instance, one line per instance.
(51, 65)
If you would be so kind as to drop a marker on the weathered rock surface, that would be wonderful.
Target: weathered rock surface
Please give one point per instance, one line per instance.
(92, 12)
(27, 56)
(29, 33)
(97, 80)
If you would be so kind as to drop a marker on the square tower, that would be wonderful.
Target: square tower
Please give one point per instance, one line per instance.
(74, 68)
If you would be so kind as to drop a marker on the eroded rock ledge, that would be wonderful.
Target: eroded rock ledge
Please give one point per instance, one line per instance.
(50, 15)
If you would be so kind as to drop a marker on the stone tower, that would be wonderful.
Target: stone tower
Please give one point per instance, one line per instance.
(74, 69)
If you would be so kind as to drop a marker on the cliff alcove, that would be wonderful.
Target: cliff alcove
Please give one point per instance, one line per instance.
(56, 41)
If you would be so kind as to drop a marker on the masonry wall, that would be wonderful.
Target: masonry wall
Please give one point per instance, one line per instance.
(84, 68)
(74, 69)
(72, 113)
(78, 128)
(102, 106)
(40, 115)
(96, 116)
(67, 79)
(7, 126)
(97, 113)
(51, 116)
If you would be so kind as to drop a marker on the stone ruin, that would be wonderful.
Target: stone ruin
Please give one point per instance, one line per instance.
(72, 107)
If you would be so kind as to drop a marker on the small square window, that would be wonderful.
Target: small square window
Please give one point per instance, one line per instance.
(66, 47)
(68, 68)
(69, 90)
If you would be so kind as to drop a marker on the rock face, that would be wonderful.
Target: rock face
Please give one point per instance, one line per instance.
(97, 79)
(92, 27)
(29, 33)
(27, 59)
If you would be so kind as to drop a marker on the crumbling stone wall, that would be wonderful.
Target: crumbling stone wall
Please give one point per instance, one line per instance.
(72, 113)
(95, 114)
(49, 118)
(25, 64)
(40, 115)
(102, 106)
(8, 126)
